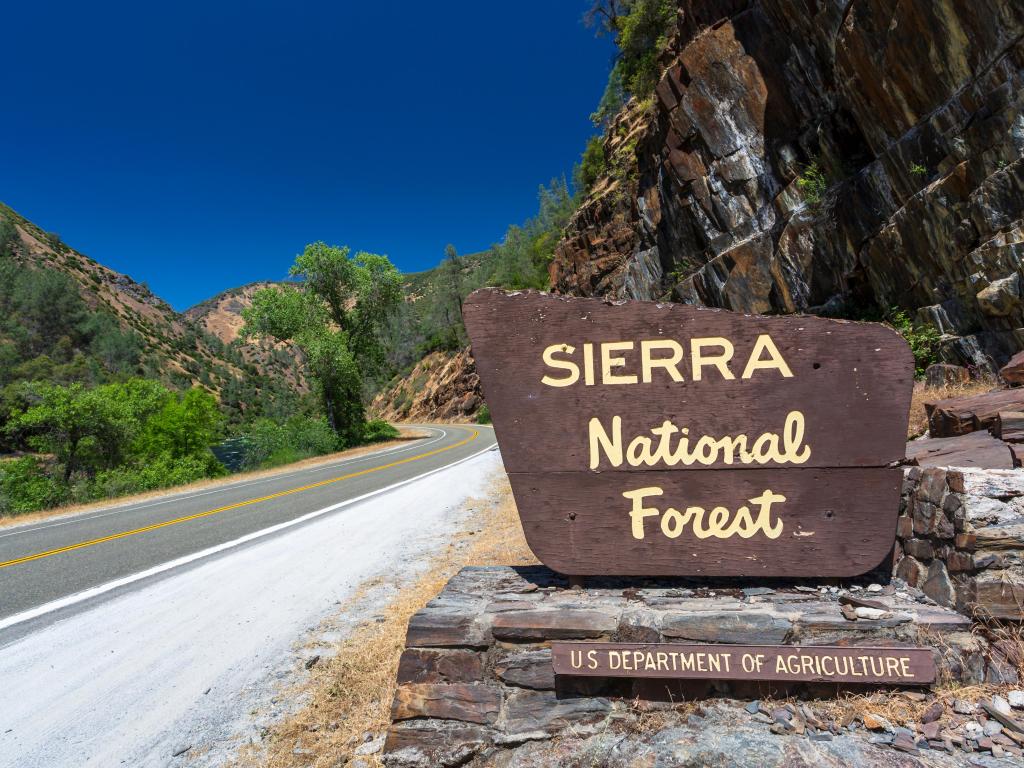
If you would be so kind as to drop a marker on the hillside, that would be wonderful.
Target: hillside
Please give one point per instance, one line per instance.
(443, 386)
(221, 316)
(74, 319)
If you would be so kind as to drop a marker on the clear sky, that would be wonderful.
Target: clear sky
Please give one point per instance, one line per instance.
(200, 145)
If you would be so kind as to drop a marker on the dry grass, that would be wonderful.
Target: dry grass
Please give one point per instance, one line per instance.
(202, 485)
(924, 394)
(350, 695)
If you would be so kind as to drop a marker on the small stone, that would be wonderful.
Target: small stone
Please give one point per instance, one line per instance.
(871, 613)
(821, 736)
(371, 747)
(904, 743)
(181, 749)
(964, 707)
(312, 661)
(875, 722)
(1002, 706)
(973, 730)
(997, 751)
(1015, 699)
(931, 730)
(933, 713)
(753, 707)
(756, 591)
(849, 612)
(875, 588)
(992, 727)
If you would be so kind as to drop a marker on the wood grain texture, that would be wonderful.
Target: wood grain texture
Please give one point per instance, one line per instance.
(850, 384)
(856, 400)
(836, 522)
(829, 664)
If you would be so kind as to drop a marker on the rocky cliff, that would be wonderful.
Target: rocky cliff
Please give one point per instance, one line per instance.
(830, 156)
(441, 387)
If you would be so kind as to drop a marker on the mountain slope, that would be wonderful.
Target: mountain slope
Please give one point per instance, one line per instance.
(221, 317)
(162, 344)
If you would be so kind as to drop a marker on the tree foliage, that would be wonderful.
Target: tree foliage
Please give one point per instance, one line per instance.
(335, 314)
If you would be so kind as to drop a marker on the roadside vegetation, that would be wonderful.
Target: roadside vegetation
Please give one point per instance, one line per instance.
(89, 410)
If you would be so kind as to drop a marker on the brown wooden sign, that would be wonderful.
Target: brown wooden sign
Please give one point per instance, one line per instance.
(663, 439)
(787, 663)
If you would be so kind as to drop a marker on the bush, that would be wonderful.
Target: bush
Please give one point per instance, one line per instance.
(641, 38)
(594, 163)
(483, 416)
(270, 444)
(377, 430)
(26, 487)
(923, 339)
(161, 471)
(813, 184)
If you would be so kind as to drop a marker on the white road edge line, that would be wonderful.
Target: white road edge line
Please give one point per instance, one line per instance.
(78, 597)
(84, 517)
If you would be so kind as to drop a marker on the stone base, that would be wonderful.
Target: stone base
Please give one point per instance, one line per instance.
(476, 675)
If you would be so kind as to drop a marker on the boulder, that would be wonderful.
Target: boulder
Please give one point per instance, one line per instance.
(1001, 297)
(976, 449)
(1013, 372)
(971, 413)
(946, 375)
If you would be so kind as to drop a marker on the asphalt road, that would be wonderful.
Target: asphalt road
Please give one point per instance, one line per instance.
(51, 568)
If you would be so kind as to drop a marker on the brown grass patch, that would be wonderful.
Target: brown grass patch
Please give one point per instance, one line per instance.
(408, 434)
(923, 394)
(350, 695)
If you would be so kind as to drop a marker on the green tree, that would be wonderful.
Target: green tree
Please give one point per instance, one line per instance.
(335, 314)
(87, 429)
(185, 426)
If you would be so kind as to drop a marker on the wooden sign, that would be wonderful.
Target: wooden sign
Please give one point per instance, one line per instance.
(787, 663)
(663, 439)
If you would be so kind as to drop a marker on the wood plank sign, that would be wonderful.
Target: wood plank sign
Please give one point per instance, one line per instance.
(653, 439)
(786, 663)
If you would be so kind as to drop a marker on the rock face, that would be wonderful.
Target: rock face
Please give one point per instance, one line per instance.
(442, 387)
(913, 116)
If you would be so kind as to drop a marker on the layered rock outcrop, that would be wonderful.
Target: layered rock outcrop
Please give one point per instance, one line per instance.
(441, 387)
(825, 157)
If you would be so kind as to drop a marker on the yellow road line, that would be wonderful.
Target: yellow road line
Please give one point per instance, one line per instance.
(125, 534)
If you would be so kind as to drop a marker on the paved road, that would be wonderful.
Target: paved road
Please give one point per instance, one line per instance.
(176, 624)
(51, 568)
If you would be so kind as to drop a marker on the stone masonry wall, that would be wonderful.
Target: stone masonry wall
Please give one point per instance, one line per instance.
(960, 539)
(476, 682)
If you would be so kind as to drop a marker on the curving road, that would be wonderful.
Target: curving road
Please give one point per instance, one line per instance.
(161, 633)
(52, 567)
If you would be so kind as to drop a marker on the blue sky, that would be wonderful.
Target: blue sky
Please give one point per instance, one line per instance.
(199, 146)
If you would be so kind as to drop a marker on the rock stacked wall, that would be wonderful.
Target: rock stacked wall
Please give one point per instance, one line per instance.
(912, 112)
(476, 676)
(960, 539)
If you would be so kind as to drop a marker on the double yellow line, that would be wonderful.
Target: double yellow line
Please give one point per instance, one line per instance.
(218, 510)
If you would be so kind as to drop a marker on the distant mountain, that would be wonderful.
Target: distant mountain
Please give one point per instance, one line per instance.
(221, 316)
(69, 318)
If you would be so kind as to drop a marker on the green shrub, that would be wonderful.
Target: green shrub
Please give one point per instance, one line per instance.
(813, 184)
(483, 416)
(923, 339)
(162, 471)
(26, 487)
(269, 444)
(918, 170)
(642, 35)
(377, 430)
(594, 164)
